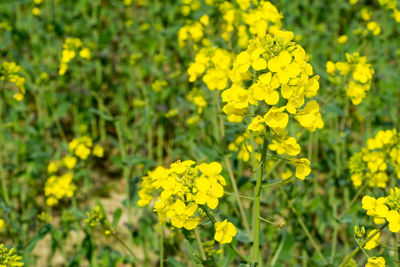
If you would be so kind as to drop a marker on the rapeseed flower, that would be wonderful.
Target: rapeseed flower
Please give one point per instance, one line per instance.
(224, 232)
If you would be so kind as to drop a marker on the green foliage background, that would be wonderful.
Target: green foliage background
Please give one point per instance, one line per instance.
(111, 99)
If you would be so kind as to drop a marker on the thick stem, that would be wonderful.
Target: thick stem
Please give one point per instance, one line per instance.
(257, 199)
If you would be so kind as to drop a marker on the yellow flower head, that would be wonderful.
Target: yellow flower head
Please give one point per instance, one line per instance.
(376, 262)
(374, 242)
(302, 167)
(224, 232)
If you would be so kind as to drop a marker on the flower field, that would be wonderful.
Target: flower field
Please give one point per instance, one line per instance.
(199, 133)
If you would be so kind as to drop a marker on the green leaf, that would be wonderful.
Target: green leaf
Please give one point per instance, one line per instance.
(116, 216)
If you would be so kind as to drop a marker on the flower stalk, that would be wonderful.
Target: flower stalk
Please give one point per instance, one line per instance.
(257, 199)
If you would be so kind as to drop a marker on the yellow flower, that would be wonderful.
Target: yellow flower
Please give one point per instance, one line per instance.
(257, 124)
(36, 11)
(374, 27)
(284, 67)
(265, 88)
(52, 167)
(310, 117)
(181, 166)
(393, 217)
(2, 225)
(276, 117)
(85, 53)
(18, 97)
(356, 179)
(302, 167)
(82, 151)
(182, 215)
(330, 67)
(375, 208)
(212, 169)
(287, 146)
(376, 262)
(286, 174)
(205, 20)
(374, 242)
(224, 232)
(342, 39)
(209, 190)
(98, 151)
(69, 162)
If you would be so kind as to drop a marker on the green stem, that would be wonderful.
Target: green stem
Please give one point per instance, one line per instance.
(304, 227)
(237, 196)
(270, 222)
(2, 172)
(241, 196)
(161, 244)
(244, 258)
(355, 251)
(288, 180)
(257, 199)
(203, 254)
(336, 227)
(398, 247)
(124, 245)
(125, 170)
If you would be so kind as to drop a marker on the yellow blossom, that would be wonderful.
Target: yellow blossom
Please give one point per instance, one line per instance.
(224, 232)
(376, 262)
(302, 167)
(374, 242)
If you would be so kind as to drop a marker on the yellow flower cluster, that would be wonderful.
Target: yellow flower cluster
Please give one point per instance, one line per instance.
(60, 186)
(372, 163)
(241, 18)
(283, 65)
(158, 85)
(190, 5)
(355, 73)
(197, 98)
(36, 9)
(179, 190)
(82, 147)
(393, 6)
(242, 145)
(8, 257)
(213, 64)
(255, 17)
(384, 209)
(376, 262)
(97, 217)
(70, 48)
(9, 73)
(192, 33)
